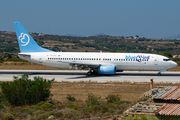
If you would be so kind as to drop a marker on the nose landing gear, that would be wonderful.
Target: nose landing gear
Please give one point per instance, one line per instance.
(159, 73)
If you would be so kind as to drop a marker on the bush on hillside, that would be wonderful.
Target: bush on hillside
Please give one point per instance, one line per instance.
(167, 54)
(70, 97)
(1, 59)
(24, 91)
(92, 99)
(113, 99)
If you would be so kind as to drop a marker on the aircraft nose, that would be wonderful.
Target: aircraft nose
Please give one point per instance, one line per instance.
(174, 64)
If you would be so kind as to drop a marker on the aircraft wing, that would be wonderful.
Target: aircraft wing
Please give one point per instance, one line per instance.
(79, 65)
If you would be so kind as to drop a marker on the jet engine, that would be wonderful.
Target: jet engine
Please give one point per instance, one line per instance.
(107, 69)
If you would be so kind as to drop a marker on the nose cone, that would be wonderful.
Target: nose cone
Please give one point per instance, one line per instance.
(174, 64)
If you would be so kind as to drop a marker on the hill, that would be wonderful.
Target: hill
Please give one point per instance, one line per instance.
(173, 37)
(8, 43)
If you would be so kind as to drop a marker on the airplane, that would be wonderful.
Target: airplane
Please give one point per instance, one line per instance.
(95, 63)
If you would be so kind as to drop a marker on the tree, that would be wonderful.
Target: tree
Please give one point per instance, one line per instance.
(122, 37)
(24, 91)
(1, 59)
(176, 43)
(137, 36)
(40, 43)
(167, 54)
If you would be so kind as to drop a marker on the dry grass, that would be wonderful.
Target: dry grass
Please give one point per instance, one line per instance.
(24, 66)
(175, 69)
(127, 91)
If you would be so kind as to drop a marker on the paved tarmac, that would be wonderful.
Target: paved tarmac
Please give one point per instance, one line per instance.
(77, 75)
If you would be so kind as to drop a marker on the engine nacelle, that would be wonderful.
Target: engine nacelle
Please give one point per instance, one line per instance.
(107, 69)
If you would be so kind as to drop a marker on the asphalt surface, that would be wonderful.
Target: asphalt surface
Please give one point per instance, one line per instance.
(77, 75)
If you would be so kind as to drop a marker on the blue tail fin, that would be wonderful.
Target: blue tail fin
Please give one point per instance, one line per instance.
(26, 42)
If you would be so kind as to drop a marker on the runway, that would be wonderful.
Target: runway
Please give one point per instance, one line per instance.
(77, 75)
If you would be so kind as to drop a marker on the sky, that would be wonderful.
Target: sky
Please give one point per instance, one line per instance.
(146, 18)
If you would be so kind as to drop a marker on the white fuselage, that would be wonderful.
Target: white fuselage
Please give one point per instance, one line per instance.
(122, 61)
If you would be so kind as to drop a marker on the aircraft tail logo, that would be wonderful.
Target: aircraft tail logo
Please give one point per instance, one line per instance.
(24, 38)
(25, 41)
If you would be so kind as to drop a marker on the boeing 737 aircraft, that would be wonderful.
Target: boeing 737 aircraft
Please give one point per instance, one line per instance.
(97, 63)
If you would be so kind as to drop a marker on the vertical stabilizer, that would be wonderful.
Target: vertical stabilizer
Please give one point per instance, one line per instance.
(25, 41)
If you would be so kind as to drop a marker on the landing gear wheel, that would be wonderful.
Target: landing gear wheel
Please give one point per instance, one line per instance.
(94, 72)
(159, 74)
(89, 73)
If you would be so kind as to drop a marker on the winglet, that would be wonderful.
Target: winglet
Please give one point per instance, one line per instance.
(26, 42)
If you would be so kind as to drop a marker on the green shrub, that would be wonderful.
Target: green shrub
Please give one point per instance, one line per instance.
(70, 113)
(90, 109)
(16, 59)
(1, 106)
(24, 91)
(2, 97)
(113, 99)
(58, 114)
(44, 116)
(8, 116)
(27, 110)
(92, 99)
(76, 107)
(70, 106)
(70, 97)
(104, 109)
(44, 105)
(1, 59)
(96, 108)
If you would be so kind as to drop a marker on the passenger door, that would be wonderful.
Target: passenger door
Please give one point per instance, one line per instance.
(155, 61)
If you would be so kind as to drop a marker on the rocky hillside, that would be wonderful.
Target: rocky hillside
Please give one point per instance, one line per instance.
(8, 43)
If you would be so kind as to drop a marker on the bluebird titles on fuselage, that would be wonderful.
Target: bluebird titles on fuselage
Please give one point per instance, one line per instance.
(138, 57)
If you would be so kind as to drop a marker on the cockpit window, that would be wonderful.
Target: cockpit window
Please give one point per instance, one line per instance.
(166, 59)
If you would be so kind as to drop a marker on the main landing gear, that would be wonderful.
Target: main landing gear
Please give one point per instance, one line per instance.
(92, 72)
(159, 73)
